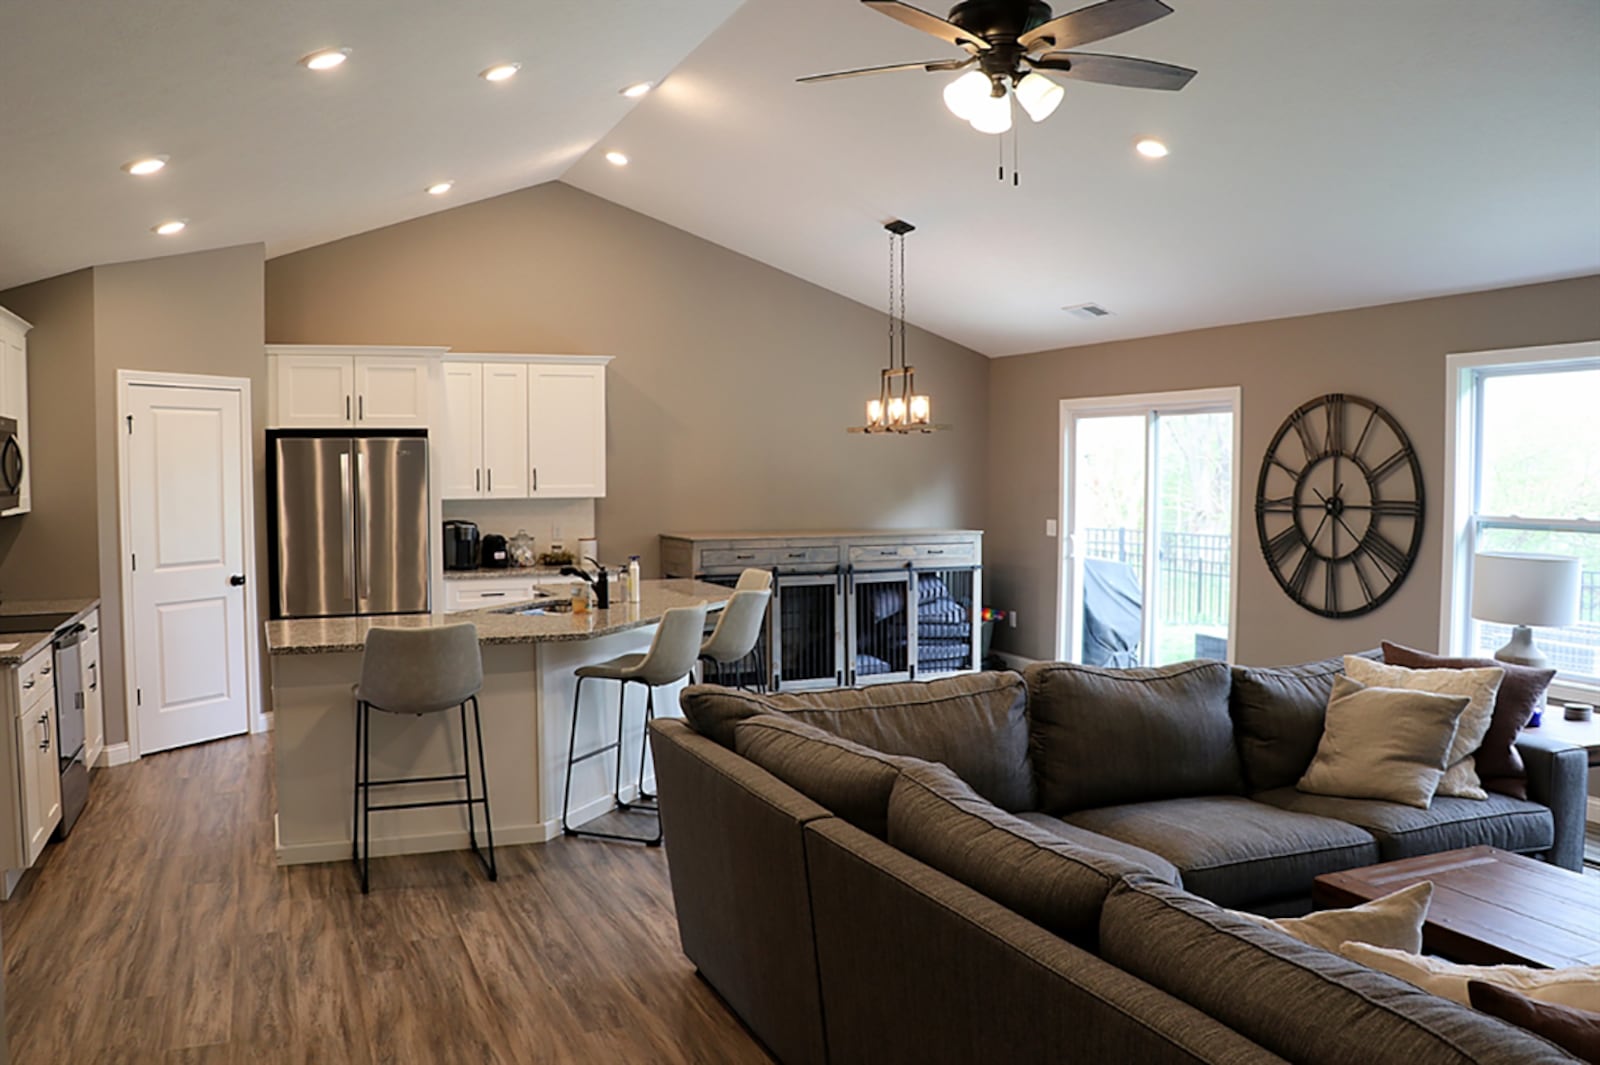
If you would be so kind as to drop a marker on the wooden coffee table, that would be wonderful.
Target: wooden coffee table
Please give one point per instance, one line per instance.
(1489, 907)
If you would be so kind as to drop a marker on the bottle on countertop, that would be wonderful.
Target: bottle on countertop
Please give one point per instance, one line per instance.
(580, 598)
(624, 588)
(633, 578)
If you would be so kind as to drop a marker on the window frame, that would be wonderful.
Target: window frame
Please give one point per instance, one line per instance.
(1463, 478)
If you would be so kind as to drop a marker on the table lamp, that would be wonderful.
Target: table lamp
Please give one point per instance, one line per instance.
(1524, 591)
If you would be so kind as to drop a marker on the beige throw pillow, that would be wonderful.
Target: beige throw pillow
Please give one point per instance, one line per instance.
(1383, 743)
(1479, 685)
(1393, 921)
(1578, 987)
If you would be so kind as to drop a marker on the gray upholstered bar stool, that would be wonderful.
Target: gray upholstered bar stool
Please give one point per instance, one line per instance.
(737, 635)
(754, 580)
(421, 672)
(670, 659)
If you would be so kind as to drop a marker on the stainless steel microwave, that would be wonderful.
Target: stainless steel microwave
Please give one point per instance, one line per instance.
(11, 464)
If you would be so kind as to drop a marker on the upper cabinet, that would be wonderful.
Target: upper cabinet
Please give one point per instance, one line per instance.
(349, 387)
(14, 398)
(524, 427)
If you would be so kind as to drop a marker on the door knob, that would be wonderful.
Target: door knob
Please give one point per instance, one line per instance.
(237, 580)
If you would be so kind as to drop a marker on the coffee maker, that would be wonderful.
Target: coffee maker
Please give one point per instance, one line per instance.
(460, 545)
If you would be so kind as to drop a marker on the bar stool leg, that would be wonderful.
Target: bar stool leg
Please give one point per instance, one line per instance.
(641, 795)
(366, 796)
(466, 770)
(355, 791)
(622, 705)
(572, 750)
(483, 781)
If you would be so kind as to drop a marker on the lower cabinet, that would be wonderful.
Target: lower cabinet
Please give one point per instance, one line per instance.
(38, 770)
(94, 718)
(487, 593)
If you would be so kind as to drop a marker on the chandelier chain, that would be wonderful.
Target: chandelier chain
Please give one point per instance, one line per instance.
(891, 300)
(902, 238)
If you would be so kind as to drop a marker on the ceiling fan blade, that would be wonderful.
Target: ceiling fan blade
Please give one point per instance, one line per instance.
(931, 65)
(1094, 23)
(1114, 70)
(918, 19)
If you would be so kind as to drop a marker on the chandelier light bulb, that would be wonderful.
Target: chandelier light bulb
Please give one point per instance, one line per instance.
(992, 115)
(1039, 96)
(874, 412)
(964, 95)
(921, 410)
(897, 410)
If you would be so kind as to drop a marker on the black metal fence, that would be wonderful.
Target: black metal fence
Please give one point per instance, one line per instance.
(1193, 570)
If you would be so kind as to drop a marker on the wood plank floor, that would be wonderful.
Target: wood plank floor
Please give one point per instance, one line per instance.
(161, 932)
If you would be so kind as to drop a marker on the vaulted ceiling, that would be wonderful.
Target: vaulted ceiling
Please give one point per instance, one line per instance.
(1331, 153)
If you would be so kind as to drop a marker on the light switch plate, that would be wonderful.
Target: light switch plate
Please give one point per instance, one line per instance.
(1013, 617)
(1049, 526)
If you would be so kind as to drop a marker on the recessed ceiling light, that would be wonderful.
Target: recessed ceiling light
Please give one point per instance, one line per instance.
(326, 59)
(500, 71)
(147, 165)
(638, 89)
(1151, 148)
(168, 229)
(440, 188)
(616, 158)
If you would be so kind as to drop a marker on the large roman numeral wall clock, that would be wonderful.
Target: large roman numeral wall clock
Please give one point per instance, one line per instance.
(1339, 506)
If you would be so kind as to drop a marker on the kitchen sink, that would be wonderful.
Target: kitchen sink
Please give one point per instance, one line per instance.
(10, 623)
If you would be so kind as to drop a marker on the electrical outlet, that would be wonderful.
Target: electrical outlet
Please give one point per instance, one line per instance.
(1013, 617)
(555, 532)
(1049, 526)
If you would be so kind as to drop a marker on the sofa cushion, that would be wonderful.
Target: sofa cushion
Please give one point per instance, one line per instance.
(1480, 686)
(850, 780)
(1498, 762)
(1298, 1001)
(1406, 832)
(976, 723)
(941, 822)
(1234, 851)
(1277, 718)
(1106, 736)
(1152, 862)
(1383, 743)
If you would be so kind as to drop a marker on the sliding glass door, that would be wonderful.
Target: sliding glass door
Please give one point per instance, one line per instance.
(1150, 498)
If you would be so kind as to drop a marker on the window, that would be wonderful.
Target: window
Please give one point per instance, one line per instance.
(1149, 497)
(1523, 475)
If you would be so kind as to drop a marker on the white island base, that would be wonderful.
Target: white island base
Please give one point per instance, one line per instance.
(526, 704)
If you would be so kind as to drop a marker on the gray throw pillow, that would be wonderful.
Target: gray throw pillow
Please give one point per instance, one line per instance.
(1383, 743)
(850, 780)
(1107, 736)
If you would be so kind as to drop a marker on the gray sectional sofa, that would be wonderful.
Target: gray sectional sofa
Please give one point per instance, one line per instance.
(1000, 868)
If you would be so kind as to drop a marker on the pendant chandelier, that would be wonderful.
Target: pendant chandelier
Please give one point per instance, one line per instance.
(898, 407)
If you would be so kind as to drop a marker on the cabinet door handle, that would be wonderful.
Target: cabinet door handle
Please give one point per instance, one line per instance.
(491, 595)
(361, 408)
(347, 408)
(94, 676)
(491, 478)
(477, 480)
(536, 478)
(30, 682)
(44, 721)
(44, 671)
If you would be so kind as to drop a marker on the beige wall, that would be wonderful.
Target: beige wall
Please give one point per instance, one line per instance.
(1393, 355)
(732, 383)
(50, 553)
(192, 314)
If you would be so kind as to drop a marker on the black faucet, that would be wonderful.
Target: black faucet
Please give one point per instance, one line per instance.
(600, 584)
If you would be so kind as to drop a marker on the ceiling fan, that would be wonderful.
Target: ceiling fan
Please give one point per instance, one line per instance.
(1014, 43)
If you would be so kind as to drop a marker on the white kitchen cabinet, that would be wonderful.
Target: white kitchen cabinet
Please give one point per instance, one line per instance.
(14, 398)
(525, 427)
(567, 430)
(94, 721)
(488, 592)
(349, 387)
(460, 438)
(38, 769)
(505, 431)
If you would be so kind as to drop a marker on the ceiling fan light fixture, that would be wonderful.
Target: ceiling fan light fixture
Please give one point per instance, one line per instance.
(992, 115)
(966, 94)
(1039, 96)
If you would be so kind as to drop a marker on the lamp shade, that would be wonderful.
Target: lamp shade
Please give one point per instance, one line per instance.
(1533, 590)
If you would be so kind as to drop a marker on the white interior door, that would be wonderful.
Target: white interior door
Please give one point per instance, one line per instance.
(186, 534)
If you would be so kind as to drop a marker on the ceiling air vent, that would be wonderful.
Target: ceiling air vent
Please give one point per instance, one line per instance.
(1087, 311)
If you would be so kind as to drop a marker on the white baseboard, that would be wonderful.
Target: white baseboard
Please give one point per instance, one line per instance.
(1016, 662)
(116, 754)
(334, 850)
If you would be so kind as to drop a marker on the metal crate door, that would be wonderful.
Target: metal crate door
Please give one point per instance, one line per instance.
(809, 649)
(947, 621)
(881, 632)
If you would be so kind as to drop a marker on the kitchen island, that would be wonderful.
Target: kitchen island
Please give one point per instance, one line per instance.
(526, 705)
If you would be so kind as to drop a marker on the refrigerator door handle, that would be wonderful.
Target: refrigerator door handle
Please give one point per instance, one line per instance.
(363, 487)
(345, 504)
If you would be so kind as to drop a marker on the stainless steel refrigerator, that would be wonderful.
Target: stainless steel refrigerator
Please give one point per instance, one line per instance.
(348, 523)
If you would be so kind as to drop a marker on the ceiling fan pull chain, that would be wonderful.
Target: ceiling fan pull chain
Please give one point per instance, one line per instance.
(1016, 179)
(1000, 156)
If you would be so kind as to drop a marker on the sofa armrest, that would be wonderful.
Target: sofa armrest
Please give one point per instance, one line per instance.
(1558, 777)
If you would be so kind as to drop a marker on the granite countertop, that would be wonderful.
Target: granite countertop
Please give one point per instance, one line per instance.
(502, 574)
(334, 635)
(27, 643)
